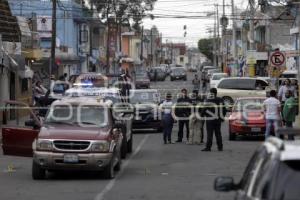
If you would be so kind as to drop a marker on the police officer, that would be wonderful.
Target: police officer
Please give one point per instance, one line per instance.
(214, 112)
(183, 112)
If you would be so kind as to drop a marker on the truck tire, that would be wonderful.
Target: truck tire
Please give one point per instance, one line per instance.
(124, 147)
(232, 136)
(129, 145)
(38, 173)
(109, 171)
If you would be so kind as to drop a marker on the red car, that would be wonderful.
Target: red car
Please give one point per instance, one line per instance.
(247, 118)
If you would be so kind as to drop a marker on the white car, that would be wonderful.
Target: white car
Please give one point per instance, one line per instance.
(229, 89)
(215, 79)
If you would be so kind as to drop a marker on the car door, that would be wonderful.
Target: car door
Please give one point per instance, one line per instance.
(19, 134)
(246, 183)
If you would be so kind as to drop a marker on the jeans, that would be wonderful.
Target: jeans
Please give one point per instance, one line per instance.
(290, 125)
(181, 126)
(269, 123)
(168, 126)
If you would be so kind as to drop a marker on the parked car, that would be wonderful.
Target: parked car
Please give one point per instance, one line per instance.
(114, 95)
(178, 73)
(215, 79)
(210, 72)
(160, 74)
(247, 118)
(58, 89)
(206, 68)
(77, 134)
(142, 81)
(272, 173)
(236, 87)
(288, 74)
(146, 103)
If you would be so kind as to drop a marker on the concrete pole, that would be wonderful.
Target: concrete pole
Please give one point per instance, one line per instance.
(215, 43)
(252, 44)
(234, 49)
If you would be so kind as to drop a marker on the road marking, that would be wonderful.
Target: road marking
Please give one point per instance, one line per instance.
(111, 183)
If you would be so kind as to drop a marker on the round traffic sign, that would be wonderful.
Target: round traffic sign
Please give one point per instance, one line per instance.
(277, 58)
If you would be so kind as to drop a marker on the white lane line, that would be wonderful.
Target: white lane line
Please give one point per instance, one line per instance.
(111, 183)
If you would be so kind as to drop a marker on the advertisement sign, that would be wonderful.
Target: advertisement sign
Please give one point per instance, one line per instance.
(44, 26)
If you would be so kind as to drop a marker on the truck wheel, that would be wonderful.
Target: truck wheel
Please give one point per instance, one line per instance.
(37, 172)
(109, 171)
(129, 145)
(119, 163)
(124, 147)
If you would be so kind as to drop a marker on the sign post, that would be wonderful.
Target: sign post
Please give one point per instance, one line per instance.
(278, 65)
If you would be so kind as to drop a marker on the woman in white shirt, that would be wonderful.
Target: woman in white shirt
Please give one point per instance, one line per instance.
(167, 118)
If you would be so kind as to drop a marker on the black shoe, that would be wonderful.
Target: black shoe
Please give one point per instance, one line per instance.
(206, 149)
(165, 142)
(220, 149)
(178, 141)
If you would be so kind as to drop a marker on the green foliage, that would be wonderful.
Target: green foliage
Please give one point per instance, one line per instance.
(125, 10)
(205, 46)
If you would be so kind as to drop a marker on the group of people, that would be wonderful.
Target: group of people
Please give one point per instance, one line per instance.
(190, 115)
(281, 109)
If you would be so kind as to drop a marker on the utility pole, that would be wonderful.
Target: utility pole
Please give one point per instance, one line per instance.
(251, 27)
(224, 23)
(107, 40)
(151, 46)
(53, 41)
(234, 49)
(215, 42)
(218, 36)
(142, 45)
(252, 44)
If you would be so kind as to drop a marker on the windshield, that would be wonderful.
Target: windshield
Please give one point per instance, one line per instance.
(82, 115)
(178, 71)
(249, 105)
(218, 76)
(144, 97)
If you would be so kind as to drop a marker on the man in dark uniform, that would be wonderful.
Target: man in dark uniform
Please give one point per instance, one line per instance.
(183, 111)
(214, 112)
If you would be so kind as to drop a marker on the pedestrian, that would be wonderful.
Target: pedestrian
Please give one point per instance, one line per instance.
(282, 91)
(196, 84)
(289, 111)
(183, 112)
(203, 79)
(167, 118)
(295, 87)
(64, 77)
(215, 106)
(272, 113)
(196, 122)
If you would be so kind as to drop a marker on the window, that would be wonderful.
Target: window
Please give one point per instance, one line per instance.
(181, 59)
(249, 172)
(237, 84)
(24, 85)
(261, 85)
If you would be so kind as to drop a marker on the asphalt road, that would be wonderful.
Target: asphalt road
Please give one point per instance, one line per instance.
(154, 171)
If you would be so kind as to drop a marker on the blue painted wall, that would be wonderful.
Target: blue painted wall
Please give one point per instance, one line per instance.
(69, 16)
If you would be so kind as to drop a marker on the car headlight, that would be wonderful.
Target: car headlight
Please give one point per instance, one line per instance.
(100, 147)
(44, 145)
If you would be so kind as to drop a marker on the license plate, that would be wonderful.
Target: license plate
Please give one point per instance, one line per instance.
(255, 129)
(71, 158)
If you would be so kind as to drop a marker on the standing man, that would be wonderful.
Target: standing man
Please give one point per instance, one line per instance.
(272, 112)
(203, 79)
(289, 111)
(183, 112)
(167, 118)
(282, 91)
(196, 84)
(214, 112)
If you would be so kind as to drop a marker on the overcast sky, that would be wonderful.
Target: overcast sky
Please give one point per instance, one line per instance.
(172, 29)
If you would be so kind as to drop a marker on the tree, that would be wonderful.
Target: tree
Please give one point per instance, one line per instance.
(125, 11)
(205, 46)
